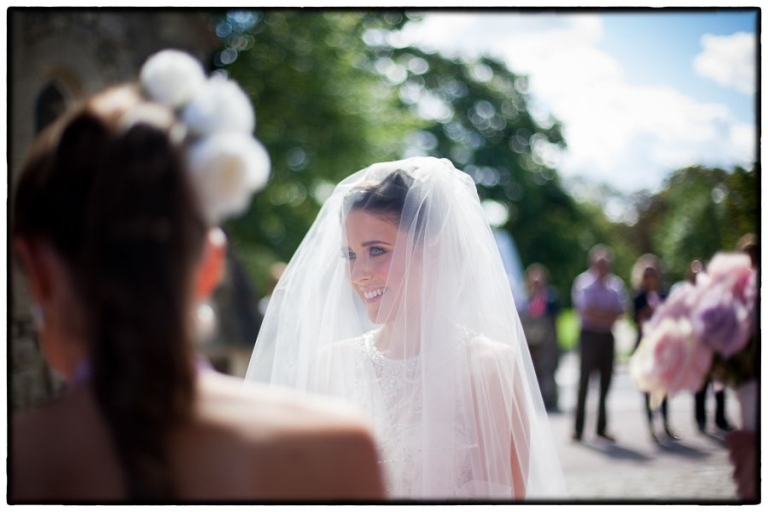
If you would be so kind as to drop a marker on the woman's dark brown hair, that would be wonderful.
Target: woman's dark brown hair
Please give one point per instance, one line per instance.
(393, 198)
(385, 198)
(114, 202)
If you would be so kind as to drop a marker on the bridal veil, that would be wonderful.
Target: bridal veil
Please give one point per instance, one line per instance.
(415, 323)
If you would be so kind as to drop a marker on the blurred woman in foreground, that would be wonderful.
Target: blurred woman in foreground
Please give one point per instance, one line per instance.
(114, 227)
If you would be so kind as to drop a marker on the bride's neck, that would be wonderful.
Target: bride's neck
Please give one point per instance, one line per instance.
(399, 341)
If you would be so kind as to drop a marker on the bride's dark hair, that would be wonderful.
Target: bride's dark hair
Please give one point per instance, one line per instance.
(393, 199)
(116, 205)
(386, 197)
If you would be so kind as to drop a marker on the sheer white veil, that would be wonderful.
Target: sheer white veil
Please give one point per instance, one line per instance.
(439, 359)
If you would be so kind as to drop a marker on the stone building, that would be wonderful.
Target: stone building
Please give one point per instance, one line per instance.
(56, 58)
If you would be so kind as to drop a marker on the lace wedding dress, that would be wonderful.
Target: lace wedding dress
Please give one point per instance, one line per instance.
(391, 392)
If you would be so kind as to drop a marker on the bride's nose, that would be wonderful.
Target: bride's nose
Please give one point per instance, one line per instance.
(360, 271)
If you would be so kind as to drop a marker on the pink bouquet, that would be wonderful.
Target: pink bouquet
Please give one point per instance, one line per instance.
(706, 329)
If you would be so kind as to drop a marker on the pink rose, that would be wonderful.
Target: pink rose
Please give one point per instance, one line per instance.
(679, 304)
(750, 298)
(670, 359)
(736, 270)
(725, 264)
(721, 321)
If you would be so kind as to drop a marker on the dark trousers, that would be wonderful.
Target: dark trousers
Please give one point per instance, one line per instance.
(701, 409)
(649, 411)
(597, 352)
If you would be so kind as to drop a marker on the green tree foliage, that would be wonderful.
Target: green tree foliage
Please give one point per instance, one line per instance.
(320, 112)
(742, 204)
(699, 212)
(478, 114)
(334, 92)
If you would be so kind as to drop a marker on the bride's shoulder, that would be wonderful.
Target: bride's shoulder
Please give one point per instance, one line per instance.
(347, 345)
(479, 344)
(482, 349)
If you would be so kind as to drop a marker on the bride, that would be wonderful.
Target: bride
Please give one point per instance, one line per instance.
(397, 300)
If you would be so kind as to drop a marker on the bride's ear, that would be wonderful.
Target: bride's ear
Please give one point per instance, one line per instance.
(211, 266)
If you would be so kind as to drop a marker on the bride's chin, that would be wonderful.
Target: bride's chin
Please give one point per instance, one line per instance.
(373, 315)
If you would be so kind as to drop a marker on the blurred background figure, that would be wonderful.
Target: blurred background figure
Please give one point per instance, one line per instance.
(539, 316)
(748, 244)
(275, 273)
(742, 443)
(700, 397)
(600, 298)
(646, 281)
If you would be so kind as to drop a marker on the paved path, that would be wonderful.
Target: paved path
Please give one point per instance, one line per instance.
(694, 469)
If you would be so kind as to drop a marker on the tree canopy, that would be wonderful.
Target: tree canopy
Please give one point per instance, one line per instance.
(336, 91)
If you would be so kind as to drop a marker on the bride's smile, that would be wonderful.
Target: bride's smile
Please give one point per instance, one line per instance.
(373, 295)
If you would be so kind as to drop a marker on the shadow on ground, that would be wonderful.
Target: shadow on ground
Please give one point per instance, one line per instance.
(616, 451)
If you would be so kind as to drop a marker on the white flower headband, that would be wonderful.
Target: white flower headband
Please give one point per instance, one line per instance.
(226, 162)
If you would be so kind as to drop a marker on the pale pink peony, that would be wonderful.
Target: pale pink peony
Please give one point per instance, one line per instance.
(735, 269)
(717, 314)
(679, 304)
(750, 297)
(670, 359)
(724, 264)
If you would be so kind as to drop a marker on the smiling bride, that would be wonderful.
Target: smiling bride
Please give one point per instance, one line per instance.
(397, 300)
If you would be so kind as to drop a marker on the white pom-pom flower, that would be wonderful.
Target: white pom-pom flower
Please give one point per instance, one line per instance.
(226, 169)
(219, 106)
(172, 77)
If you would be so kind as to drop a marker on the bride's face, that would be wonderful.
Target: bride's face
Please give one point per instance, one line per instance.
(376, 272)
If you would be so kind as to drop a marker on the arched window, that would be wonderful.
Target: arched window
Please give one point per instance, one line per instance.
(50, 104)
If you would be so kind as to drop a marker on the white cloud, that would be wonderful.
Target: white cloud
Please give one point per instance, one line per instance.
(628, 136)
(728, 60)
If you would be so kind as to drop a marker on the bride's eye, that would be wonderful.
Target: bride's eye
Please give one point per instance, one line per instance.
(348, 255)
(377, 251)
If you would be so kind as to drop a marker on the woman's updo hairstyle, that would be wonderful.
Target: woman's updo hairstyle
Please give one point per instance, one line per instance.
(385, 198)
(125, 193)
(393, 198)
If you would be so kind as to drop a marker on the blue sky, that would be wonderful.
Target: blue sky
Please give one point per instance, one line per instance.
(677, 37)
(639, 93)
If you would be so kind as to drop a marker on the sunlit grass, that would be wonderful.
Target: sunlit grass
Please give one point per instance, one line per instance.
(568, 334)
(567, 329)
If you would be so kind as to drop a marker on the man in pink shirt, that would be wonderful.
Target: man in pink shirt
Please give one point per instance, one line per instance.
(600, 298)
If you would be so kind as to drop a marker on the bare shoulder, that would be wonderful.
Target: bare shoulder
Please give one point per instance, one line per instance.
(33, 430)
(323, 443)
(29, 428)
(491, 360)
(272, 406)
(25, 454)
(55, 448)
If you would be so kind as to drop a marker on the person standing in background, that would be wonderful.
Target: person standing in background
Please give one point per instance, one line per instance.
(599, 298)
(742, 443)
(646, 280)
(275, 273)
(539, 318)
(700, 397)
(748, 244)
